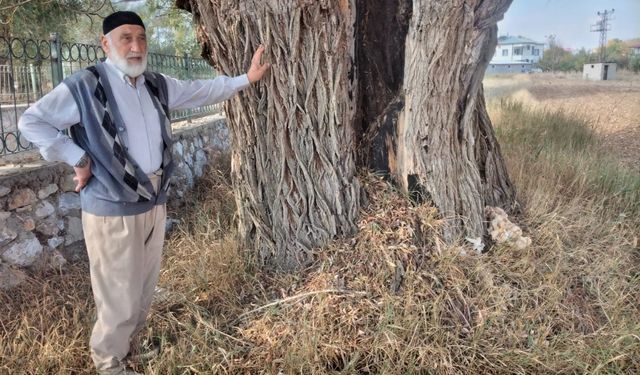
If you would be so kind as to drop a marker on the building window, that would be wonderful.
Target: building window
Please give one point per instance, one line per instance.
(505, 52)
(535, 52)
(517, 51)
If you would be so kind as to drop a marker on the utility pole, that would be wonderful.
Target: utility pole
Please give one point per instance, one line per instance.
(602, 27)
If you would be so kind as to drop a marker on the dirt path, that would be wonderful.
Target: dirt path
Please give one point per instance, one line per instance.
(613, 107)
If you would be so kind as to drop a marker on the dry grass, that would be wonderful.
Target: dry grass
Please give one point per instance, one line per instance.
(612, 108)
(393, 299)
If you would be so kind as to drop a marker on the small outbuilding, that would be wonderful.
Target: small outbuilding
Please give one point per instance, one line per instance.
(599, 71)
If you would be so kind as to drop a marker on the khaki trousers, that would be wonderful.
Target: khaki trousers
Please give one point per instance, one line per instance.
(124, 259)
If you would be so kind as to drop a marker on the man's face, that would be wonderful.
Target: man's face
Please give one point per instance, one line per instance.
(126, 46)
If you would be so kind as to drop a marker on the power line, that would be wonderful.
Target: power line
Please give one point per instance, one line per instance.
(602, 27)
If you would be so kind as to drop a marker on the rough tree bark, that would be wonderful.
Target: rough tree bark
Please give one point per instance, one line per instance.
(434, 136)
(293, 164)
(393, 86)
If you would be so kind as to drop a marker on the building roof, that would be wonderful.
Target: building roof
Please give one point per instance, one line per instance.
(508, 39)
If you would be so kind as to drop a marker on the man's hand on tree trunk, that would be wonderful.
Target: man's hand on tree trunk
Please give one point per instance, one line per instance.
(257, 69)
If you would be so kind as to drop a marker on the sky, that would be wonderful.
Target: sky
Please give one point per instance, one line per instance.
(570, 20)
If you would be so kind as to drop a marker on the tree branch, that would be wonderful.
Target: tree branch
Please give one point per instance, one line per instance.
(298, 297)
(15, 6)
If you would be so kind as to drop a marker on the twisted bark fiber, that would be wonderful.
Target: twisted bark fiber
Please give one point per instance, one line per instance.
(397, 83)
(293, 157)
(446, 148)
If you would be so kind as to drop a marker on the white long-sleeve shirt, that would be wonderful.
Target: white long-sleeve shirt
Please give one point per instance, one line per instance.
(43, 122)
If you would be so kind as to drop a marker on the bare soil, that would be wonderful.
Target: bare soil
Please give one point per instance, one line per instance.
(612, 107)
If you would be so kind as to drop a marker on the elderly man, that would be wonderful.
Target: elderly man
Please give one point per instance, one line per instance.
(118, 117)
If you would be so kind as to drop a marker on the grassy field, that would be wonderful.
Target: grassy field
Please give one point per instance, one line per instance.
(388, 301)
(611, 108)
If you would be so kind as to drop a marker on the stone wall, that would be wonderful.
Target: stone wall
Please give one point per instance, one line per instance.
(40, 211)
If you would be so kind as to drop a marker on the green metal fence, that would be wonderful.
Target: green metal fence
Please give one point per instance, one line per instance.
(31, 68)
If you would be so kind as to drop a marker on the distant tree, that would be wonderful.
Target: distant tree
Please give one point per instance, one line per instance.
(169, 30)
(36, 19)
(617, 52)
(634, 64)
(581, 58)
(634, 60)
(556, 58)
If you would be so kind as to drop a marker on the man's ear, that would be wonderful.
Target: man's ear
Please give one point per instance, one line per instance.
(104, 42)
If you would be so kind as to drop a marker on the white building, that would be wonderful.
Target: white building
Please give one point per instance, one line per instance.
(599, 71)
(515, 54)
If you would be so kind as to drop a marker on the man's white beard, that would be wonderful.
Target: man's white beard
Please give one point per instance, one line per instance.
(132, 70)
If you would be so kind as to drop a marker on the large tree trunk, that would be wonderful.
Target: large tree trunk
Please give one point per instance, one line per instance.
(434, 135)
(293, 163)
(396, 82)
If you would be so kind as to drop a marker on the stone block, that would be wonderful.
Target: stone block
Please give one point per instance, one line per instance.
(188, 175)
(21, 198)
(23, 253)
(54, 242)
(44, 209)
(10, 278)
(27, 208)
(7, 235)
(67, 184)
(170, 223)
(200, 163)
(56, 260)
(74, 230)
(47, 191)
(179, 149)
(49, 226)
(188, 159)
(29, 224)
(4, 191)
(68, 202)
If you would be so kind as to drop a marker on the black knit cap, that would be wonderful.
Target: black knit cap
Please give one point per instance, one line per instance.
(120, 18)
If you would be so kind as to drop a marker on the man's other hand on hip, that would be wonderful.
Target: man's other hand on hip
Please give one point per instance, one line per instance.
(83, 173)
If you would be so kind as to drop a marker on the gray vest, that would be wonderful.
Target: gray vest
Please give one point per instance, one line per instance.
(118, 186)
